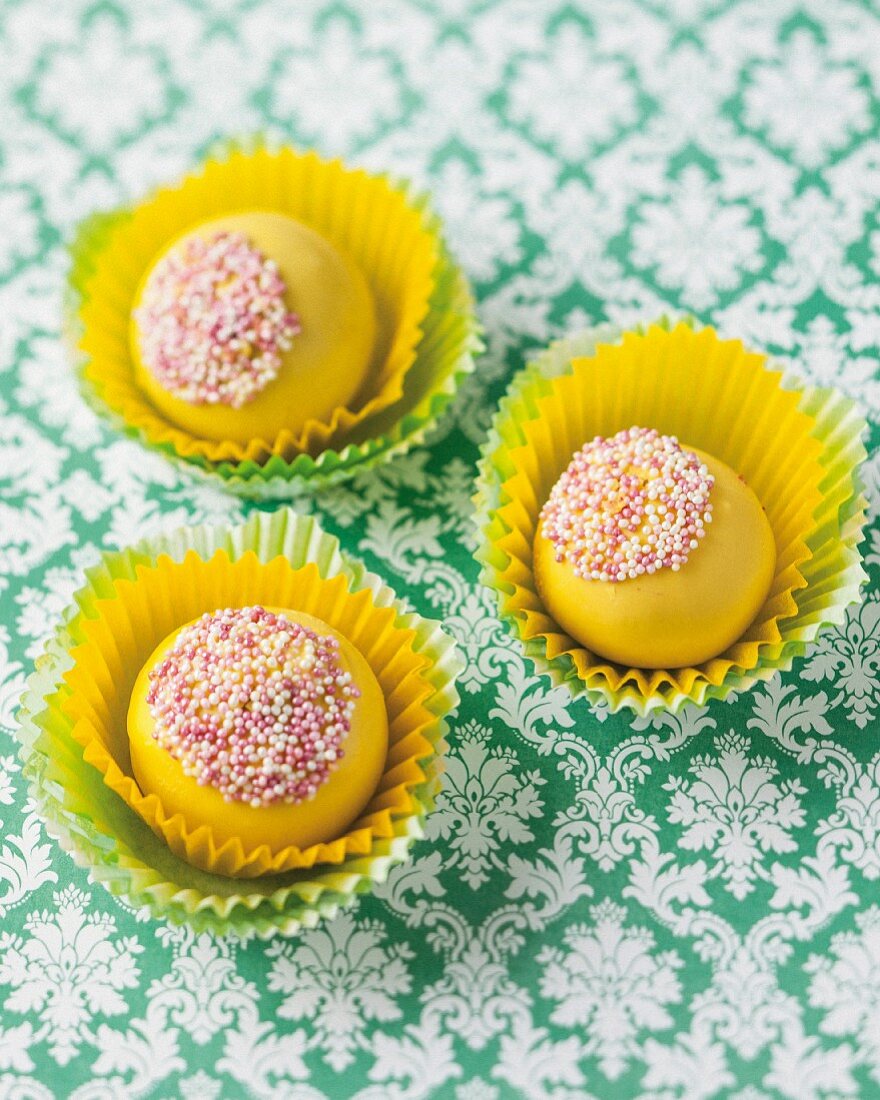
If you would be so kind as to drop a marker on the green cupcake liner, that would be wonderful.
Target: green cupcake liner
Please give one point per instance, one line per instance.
(451, 339)
(104, 835)
(834, 573)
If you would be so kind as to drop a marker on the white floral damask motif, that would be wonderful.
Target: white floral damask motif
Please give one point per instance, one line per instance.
(25, 862)
(133, 1059)
(12, 680)
(610, 980)
(570, 96)
(341, 977)
(849, 657)
(803, 1068)
(692, 1065)
(84, 93)
(401, 539)
(29, 462)
(486, 804)
(603, 818)
(200, 1087)
(532, 1062)
(801, 84)
(40, 607)
(696, 242)
(480, 227)
(851, 831)
(35, 521)
(737, 808)
(475, 997)
(828, 357)
(31, 533)
(266, 1059)
(476, 1089)
(69, 967)
(335, 91)
(49, 387)
(420, 1054)
(8, 767)
(349, 502)
(743, 1007)
(854, 825)
(846, 985)
(14, 1043)
(202, 993)
(485, 644)
(18, 208)
(531, 706)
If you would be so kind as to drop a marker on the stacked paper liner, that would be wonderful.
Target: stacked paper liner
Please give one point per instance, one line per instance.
(74, 743)
(428, 332)
(797, 447)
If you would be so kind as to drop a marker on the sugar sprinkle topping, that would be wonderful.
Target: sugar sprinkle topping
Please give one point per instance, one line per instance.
(213, 323)
(253, 704)
(628, 505)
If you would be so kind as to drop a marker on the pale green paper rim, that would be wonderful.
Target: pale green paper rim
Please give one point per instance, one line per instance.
(834, 573)
(451, 339)
(131, 861)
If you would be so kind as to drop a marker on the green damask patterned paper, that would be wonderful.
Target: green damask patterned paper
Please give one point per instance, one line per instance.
(605, 906)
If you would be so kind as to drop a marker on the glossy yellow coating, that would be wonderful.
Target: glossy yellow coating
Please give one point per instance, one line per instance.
(328, 361)
(672, 619)
(338, 801)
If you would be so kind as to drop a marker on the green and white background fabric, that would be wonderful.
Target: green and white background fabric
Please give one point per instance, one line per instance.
(676, 907)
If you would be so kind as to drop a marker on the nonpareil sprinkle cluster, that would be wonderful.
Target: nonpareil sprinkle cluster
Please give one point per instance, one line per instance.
(213, 323)
(628, 505)
(253, 704)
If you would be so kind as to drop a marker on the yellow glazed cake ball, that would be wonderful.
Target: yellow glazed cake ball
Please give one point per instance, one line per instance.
(264, 724)
(250, 324)
(651, 554)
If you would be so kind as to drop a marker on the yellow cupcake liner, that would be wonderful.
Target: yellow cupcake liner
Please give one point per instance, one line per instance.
(74, 747)
(141, 612)
(387, 234)
(797, 448)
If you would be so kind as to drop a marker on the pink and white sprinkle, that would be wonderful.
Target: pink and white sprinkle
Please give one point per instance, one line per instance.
(213, 322)
(628, 505)
(253, 705)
